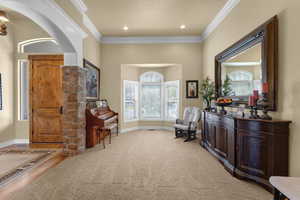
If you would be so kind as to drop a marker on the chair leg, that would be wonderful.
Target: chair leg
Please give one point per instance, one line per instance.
(191, 135)
(176, 133)
(188, 136)
(103, 134)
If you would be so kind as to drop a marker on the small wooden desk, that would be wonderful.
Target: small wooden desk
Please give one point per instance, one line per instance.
(286, 187)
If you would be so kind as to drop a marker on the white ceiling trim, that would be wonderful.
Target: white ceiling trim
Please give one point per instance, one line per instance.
(150, 40)
(67, 17)
(219, 18)
(82, 8)
(80, 5)
(87, 22)
(91, 27)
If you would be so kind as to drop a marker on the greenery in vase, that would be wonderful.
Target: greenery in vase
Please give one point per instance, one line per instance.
(207, 91)
(226, 87)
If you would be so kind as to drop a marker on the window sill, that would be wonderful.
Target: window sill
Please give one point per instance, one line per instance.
(152, 120)
(128, 121)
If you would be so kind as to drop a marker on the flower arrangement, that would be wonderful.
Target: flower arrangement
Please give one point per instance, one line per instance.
(207, 91)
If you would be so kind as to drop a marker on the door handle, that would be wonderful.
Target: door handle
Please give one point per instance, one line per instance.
(61, 110)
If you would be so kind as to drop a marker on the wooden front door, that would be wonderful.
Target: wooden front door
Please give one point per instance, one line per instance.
(46, 98)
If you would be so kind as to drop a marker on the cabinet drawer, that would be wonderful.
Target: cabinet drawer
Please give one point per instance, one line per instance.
(213, 118)
(221, 120)
(254, 126)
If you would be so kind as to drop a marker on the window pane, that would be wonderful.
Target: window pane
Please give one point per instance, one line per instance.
(172, 100)
(151, 77)
(130, 110)
(172, 110)
(129, 91)
(130, 100)
(172, 92)
(151, 101)
(23, 69)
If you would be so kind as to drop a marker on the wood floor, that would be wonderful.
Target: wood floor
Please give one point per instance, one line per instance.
(31, 175)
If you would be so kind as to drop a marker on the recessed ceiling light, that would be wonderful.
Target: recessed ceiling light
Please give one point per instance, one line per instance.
(125, 28)
(182, 26)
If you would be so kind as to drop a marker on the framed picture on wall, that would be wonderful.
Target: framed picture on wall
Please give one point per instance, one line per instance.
(192, 89)
(92, 81)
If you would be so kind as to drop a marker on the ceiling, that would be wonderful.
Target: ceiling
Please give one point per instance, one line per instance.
(152, 17)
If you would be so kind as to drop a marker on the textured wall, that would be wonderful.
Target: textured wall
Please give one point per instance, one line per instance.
(246, 17)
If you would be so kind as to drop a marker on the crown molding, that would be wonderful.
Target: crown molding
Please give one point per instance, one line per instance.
(91, 27)
(230, 4)
(219, 18)
(87, 22)
(82, 8)
(62, 12)
(151, 40)
(79, 5)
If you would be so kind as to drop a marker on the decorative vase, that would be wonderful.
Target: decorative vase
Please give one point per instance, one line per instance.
(207, 105)
(223, 111)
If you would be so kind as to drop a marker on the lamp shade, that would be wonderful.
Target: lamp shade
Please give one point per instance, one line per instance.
(3, 17)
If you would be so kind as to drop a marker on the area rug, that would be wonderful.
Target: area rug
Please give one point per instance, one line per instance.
(15, 162)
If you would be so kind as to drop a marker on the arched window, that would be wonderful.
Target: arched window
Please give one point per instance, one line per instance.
(39, 45)
(151, 77)
(151, 98)
(151, 95)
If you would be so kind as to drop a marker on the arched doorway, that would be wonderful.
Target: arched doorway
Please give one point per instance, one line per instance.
(49, 16)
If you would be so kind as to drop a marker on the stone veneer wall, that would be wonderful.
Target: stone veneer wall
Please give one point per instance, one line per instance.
(74, 104)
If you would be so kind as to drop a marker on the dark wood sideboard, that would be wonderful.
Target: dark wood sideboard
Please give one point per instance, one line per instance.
(250, 149)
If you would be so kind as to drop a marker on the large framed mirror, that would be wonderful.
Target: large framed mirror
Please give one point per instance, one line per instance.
(249, 63)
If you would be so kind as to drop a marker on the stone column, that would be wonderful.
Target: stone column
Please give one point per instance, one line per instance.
(74, 104)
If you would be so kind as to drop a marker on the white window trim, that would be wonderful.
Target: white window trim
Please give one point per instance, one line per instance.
(19, 61)
(161, 84)
(137, 101)
(161, 103)
(166, 84)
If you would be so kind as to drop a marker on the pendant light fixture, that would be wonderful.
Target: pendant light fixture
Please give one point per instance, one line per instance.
(3, 21)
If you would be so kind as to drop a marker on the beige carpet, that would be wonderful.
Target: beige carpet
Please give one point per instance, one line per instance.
(145, 165)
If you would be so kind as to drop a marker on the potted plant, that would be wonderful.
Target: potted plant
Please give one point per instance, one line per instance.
(207, 91)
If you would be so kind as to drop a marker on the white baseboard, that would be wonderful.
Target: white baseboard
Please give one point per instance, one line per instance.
(147, 128)
(21, 141)
(15, 141)
(168, 128)
(126, 130)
